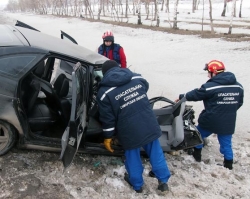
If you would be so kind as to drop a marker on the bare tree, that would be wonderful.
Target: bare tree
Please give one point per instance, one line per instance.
(93, 5)
(156, 10)
(232, 16)
(146, 3)
(75, 7)
(119, 7)
(100, 6)
(162, 5)
(158, 21)
(169, 20)
(156, 15)
(21, 5)
(197, 4)
(167, 6)
(202, 19)
(126, 9)
(194, 6)
(13, 6)
(139, 18)
(42, 6)
(211, 17)
(234, 10)
(139, 13)
(88, 9)
(240, 8)
(223, 14)
(134, 7)
(175, 14)
(114, 11)
(103, 8)
(54, 6)
(63, 4)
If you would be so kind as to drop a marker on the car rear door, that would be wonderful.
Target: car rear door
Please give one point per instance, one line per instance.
(72, 135)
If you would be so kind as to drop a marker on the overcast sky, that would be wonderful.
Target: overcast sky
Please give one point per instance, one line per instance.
(3, 3)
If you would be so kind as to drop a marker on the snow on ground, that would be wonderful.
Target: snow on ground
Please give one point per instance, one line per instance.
(172, 64)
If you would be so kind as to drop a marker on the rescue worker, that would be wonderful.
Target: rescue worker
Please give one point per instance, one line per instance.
(222, 96)
(112, 50)
(125, 111)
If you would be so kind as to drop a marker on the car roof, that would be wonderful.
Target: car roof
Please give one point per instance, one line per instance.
(18, 36)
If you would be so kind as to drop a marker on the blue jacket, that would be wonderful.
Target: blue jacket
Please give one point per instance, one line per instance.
(125, 109)
(222, 96)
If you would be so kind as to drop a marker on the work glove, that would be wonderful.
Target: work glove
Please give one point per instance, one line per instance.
(107, 144)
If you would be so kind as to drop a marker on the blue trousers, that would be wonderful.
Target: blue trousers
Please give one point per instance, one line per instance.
(158, 162)
(224, 140)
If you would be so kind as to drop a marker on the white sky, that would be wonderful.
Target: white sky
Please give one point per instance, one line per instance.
(4, 2)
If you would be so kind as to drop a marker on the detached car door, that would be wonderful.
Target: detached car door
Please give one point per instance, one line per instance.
(72, 135)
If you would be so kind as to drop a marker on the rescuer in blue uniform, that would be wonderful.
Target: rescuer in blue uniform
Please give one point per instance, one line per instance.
(125, 109)
(222, 96)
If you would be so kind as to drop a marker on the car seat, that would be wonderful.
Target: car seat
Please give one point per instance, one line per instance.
(40, 116)
(61, 87)
(55, 107)
(51, 97)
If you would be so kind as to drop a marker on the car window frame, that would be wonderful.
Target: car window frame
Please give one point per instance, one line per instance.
(26, 68)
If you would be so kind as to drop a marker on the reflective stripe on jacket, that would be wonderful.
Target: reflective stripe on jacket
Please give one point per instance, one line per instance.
(222, 96)
(125, 109)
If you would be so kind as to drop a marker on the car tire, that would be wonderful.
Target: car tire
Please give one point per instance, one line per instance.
(8, 137)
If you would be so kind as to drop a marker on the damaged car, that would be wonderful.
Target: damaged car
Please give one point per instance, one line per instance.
(48, 98)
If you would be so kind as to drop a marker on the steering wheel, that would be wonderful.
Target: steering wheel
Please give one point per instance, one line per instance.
(97, 80)
(94, 107)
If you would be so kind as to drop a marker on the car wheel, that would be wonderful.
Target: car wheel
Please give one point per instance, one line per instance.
(7, 137)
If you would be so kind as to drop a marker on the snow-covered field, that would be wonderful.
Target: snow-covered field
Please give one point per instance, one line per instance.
(172, 64)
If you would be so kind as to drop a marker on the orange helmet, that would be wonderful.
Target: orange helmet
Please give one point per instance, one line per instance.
(108, 36)
(215, 67)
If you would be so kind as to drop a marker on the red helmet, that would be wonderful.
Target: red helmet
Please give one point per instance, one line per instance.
(215, 67)
(108, 36)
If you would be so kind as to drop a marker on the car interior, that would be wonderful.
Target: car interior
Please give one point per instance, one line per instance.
(47, 105)
(46, 98)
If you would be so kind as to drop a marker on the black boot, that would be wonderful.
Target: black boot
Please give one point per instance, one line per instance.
(151, 174)
(228, 164)
(126, 178)
(197, 154)
(163, 186)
